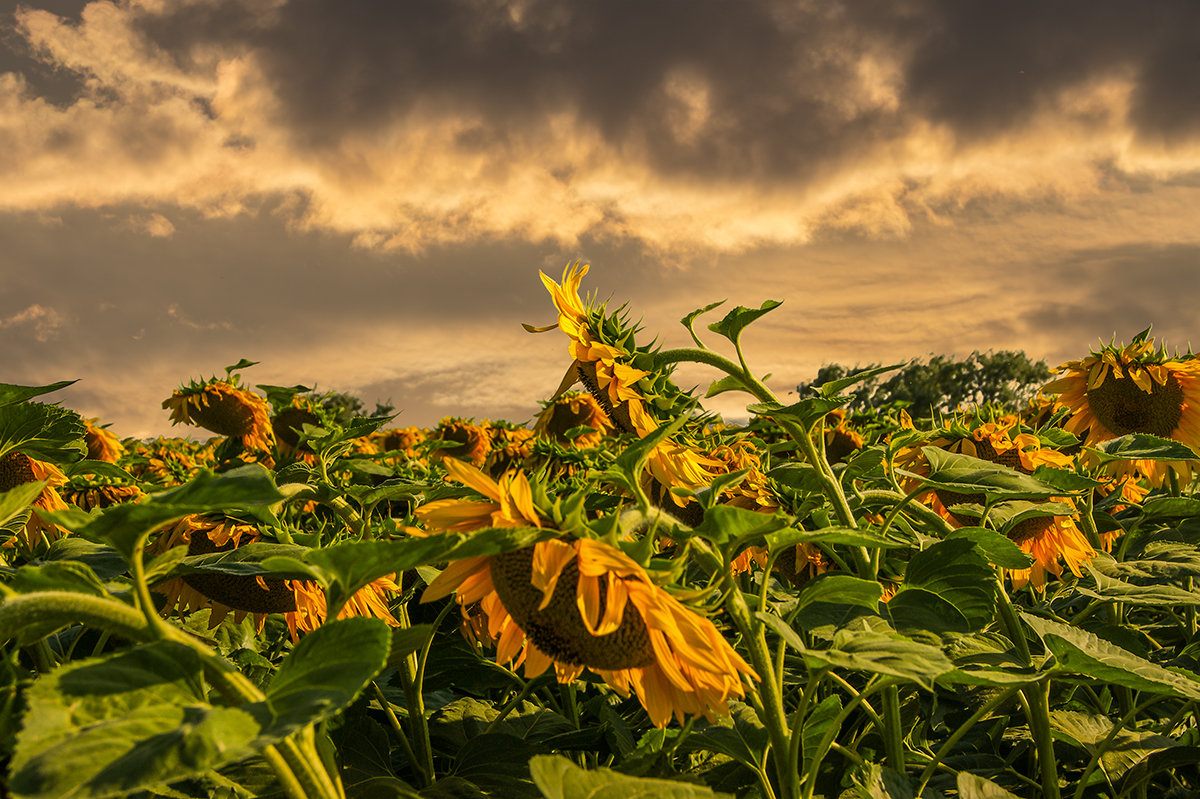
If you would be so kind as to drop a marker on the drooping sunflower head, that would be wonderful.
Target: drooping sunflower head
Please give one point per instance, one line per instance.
(224, 408)
(101, 443)
(569, 412)
(17, 468)
(301, 602)
(287, 424)
(400, 440)
(511, 446)
(1136, 388)
(463, 440)
(579, 603)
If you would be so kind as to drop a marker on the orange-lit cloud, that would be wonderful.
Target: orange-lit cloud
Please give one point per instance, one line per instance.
(359, 194)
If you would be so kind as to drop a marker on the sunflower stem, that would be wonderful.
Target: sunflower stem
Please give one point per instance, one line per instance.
(412, 677)
(893, 739)
(418, 769)
(772, 713)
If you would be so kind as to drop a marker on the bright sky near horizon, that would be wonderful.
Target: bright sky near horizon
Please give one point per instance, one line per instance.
(359, 195)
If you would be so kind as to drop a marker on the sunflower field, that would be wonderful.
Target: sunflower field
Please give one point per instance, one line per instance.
(626, 598)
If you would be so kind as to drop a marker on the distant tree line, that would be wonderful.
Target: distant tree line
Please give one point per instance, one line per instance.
(942, 384)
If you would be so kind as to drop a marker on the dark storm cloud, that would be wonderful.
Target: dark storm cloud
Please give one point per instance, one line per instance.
(786, 94)
(1117, 292)
(984, 67)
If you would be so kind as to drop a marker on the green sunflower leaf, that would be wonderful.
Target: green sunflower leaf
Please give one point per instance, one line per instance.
(689, 321)
(13, 502)
(14, 395)
(962, 474)
(840, 589)
(739, 318)
(121, 526)
(45, 432)
(1143, 447)
(1082, 652)
(835, 387)
(126, 722)
(326, 671)
(805, 412)
(972, 786)
(558, 778)
(891, 655)
(994, 546)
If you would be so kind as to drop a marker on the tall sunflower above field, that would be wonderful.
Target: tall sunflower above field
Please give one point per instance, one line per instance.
(1134, 388)
(636, 397)
(225, 408)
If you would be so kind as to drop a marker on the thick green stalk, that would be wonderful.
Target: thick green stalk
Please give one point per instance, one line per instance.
(1037, 696)
(893, 736)
(411, 679)
(773, 715)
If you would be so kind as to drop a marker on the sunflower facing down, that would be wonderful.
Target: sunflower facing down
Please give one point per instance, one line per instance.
(1049, 540)
(17, 468)
(1133, 389)
(301, 602)
(225, 409)
(579, 603)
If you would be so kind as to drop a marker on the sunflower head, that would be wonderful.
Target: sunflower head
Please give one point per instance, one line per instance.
(569, 412)
(464, 440)
(224, 408)
(102, 445)
(17, 468)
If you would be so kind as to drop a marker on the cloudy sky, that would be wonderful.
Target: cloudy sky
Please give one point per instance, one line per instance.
(359, 195)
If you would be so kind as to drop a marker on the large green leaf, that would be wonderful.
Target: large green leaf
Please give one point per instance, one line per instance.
(1144, 447)
(816, 725)
(994, 546)
(805, 412)
(840, 589)
(734, 322)
(836, 387)
(962, 474)
(13, 502)
(880, 653)
(1116, 590)
(972, 786)
(954, 572)
(499, 764)
(111, 726)
(1084, 653)
(13, 395)
(44, 432)
(326, 671)
(559, 778)
(244, 487)
(740, 736)
(724, 523)
(1126, 748)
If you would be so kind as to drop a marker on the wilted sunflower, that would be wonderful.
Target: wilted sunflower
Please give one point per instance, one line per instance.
(1133, 389)
(225, 409)
(287, 424)
(579, 603)
(302, 602)
(102, 445)
(510, 447)
(17, 468)
(1046, 539)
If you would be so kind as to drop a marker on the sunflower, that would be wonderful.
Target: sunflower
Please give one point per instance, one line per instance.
(104, 495)
(579, 603)
(225, 409)
(302, 602)
(511, 446)
(401, 441)
(570, 411)
(841, 440)
(1046, 539)
(287, 424)
(1133, 389)
(17, 468)
(465, 440)
(620, 388)
(102, 445)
